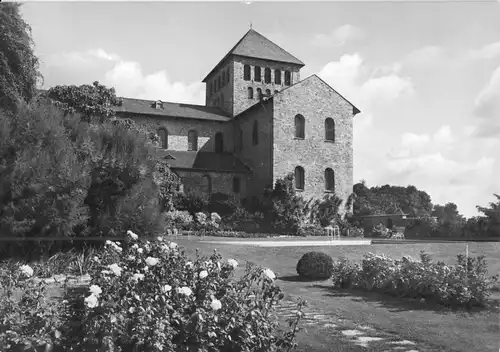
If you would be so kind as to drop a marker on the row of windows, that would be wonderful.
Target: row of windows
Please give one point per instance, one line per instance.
(259, 93)
(329, 177)
(206, 184)
(257, 75)
(219, 82)
(192, 140)
(300, 128)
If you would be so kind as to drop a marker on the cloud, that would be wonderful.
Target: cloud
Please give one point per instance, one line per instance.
(339, 36)
(487, 107)
(129, 81)
(489, 51)
(364, 85)
(449, 166)
(127, 77)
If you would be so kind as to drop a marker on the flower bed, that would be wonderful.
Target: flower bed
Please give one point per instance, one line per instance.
(150, 297)
(464, 284)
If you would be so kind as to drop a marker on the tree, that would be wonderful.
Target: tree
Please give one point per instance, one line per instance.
(19, 67)
(450, 220)
(492, 217)
(94, 100)
(389, 199)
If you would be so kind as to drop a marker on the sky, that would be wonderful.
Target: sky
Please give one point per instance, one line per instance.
(426, 75)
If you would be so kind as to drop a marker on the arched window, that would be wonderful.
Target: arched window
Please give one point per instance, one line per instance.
(267, 75)
(277, 76)
(259, 93)
(206, 184)
(288, 78)
(250, 93)
(228, 77)
(329, 180)
(268, 92)
(219, 142)
(192, 140)
(163, 134)
(221, 103)
(330, 129)
(255, 133)
(300, 125)
(256, 74)
(209, 88)
(246, 72)
(220, 82)
(299, 177)
(236, 185)
(216, 85)
(224, 78)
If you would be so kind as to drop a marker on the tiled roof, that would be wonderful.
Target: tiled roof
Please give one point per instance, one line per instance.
(207, 161)
(146, 107)
(255, 45)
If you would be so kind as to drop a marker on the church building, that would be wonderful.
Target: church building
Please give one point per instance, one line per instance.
(259, 123)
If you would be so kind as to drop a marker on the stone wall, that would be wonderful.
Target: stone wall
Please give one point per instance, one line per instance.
(316, 101)
(221, 182)
(178, 131)
(257, 157)
(241, 101)
(226, 90)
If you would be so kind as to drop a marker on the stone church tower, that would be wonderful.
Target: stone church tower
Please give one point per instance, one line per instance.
(255, 67)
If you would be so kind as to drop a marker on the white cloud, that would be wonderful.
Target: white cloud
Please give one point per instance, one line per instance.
(358, 83)
(487, 107)
(339, 36)
(127, 77)
(129, 80)
(489, 51)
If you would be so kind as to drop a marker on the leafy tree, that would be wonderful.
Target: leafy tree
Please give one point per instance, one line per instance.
(451, 221)
(19, 67)
(94, 100)
(389, 199)
(492, 216)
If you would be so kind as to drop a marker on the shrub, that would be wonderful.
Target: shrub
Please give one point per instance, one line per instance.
(315, 265)
(181, 220)
(451, 285)
(150, 297)
(323, 212)
(190, 202)
(223, 204)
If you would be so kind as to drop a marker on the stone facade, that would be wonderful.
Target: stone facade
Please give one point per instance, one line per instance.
(193, 182)
(316, 101)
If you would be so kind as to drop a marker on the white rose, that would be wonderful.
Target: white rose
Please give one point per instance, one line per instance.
(131, 310)
(216, 305)
(233, 263)
(185, 291)
(189, 265)
(151, 261)
(140, 250)
(26, 270)
(95, 290)
(167, 288)
(138, 277)
(173, 245)
(91, 301)
(131, 257)
(203, 274)
(269, 274)
(132, 235)
(135, 246)
(96, 259)
(159, 238)
(115, 269)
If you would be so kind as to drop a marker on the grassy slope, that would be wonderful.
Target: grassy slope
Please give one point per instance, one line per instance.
(443, 329)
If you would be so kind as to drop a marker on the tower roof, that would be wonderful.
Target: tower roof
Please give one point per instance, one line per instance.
(255, 45)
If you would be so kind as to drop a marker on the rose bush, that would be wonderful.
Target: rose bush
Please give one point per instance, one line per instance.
(463, 284)
(150, 297)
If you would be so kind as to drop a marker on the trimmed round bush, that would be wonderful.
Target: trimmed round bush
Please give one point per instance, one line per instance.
(315, 265)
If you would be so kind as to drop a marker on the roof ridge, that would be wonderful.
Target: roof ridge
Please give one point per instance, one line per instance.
(286, 51)
(171, 102)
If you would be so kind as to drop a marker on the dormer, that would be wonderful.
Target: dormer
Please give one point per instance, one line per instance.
(158, 104)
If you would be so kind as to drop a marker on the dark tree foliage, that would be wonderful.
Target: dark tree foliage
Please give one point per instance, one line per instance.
(490, 222)
(94, 100)
(19, 67)
(389, 199)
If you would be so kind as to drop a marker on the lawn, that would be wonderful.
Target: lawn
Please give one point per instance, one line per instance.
(437, 328)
